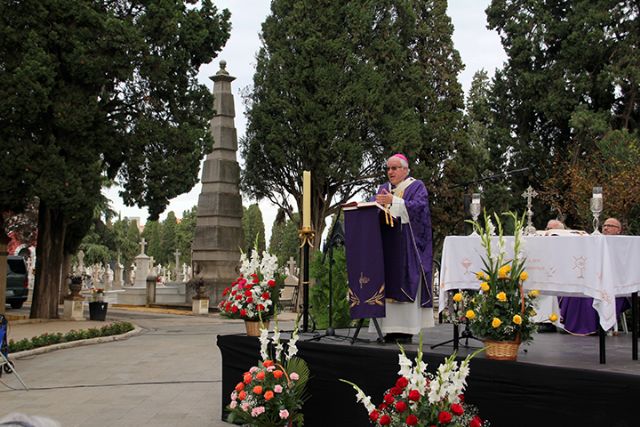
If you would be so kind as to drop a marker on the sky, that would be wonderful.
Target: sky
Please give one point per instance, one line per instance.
(479, 48)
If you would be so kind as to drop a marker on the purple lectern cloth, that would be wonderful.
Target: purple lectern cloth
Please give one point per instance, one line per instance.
(416, 200)
(579, 317)
(365, 263)
(393, 250)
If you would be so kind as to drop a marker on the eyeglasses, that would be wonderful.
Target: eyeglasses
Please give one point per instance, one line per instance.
(394, 168)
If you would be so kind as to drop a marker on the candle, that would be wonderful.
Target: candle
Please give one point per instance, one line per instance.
(306, 199)
(597, 192)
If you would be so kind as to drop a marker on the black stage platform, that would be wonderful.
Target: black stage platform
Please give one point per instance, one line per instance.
(557, 380)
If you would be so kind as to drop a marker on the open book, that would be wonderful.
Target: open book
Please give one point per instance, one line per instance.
(357, 205)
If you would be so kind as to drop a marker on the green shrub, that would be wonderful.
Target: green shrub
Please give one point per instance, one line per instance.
(46, 339)
(319, 293)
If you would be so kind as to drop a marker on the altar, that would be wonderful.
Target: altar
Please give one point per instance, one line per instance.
(596, 266)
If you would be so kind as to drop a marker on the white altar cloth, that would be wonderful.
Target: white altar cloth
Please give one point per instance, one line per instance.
(601, 267)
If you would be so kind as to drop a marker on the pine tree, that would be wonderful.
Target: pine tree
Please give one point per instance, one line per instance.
(168, 239)
(253, 228)
(570, 84)
(152, 234)
(184, 235)
(313, 104)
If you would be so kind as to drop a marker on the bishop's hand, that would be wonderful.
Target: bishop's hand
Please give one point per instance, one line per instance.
(384, 198)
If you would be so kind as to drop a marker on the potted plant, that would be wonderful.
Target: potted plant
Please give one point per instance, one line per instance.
(254, 295)
(75, 286)
(97, 305)
(420, 398)
(272, 392)
(200, 299)
(501, 312)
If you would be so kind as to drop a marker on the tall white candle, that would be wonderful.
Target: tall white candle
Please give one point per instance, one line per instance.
(306, 199)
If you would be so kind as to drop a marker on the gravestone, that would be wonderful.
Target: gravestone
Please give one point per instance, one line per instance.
(118, 274)
(108, 278)
(142, 267)
(177, 270)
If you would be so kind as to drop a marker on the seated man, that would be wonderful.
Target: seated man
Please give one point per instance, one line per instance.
(577, 313)
(555, 224)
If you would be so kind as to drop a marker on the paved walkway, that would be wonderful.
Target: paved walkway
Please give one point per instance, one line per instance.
(168, 374)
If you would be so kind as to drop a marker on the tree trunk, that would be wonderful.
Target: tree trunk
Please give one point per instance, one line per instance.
(4, 240)
(66, 270)
(49, 258)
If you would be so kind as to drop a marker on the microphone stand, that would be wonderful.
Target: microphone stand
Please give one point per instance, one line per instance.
(336, 238)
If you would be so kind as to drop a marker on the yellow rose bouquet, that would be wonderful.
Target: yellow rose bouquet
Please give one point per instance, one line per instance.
(502, 310)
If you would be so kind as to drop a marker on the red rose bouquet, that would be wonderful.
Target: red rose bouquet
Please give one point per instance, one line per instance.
(420, 398)
(271, 393)
(254, 294)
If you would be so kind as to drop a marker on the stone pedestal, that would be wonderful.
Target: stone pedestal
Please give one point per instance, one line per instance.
(142, 271)
(73, 309)
(151, 285)
(200, 306)
(118, 276)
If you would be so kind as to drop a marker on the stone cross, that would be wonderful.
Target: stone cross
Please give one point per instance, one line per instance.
(530, 194)
(143, 243)
(292, 266)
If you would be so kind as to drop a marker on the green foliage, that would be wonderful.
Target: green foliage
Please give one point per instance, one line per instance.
(46, 339)
(168, 239)
(253, 229)
(571, 78)
(127, 237)
(319, 293)
(284, 242)
(152, 234)
(184, 235)
(95, 89)
(336, 85)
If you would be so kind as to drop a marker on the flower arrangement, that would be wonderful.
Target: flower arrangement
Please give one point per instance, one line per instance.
(502, 310)
(97, 294)
(254, 294)
(454, 311)
(420, 398)
(272, 392)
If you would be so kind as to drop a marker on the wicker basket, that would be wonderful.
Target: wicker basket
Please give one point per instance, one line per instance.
(253, 327)
(502, 350)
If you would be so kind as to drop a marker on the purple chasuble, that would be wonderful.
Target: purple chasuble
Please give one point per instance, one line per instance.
(417, 246)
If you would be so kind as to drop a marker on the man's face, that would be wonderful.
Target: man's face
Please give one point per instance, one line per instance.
(395, 171)
(611, 227)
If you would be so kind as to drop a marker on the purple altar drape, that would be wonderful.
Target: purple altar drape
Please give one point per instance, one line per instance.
(579, 317)
(365, 262)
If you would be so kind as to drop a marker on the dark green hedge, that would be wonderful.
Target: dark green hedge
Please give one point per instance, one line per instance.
(44, 340)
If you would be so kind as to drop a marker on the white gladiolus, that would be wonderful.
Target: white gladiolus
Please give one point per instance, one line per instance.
(405, 365)
(366, 400)
(292, 350)
(264, 343)
(276, 340)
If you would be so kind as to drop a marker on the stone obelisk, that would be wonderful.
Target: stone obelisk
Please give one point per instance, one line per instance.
(218, 235)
